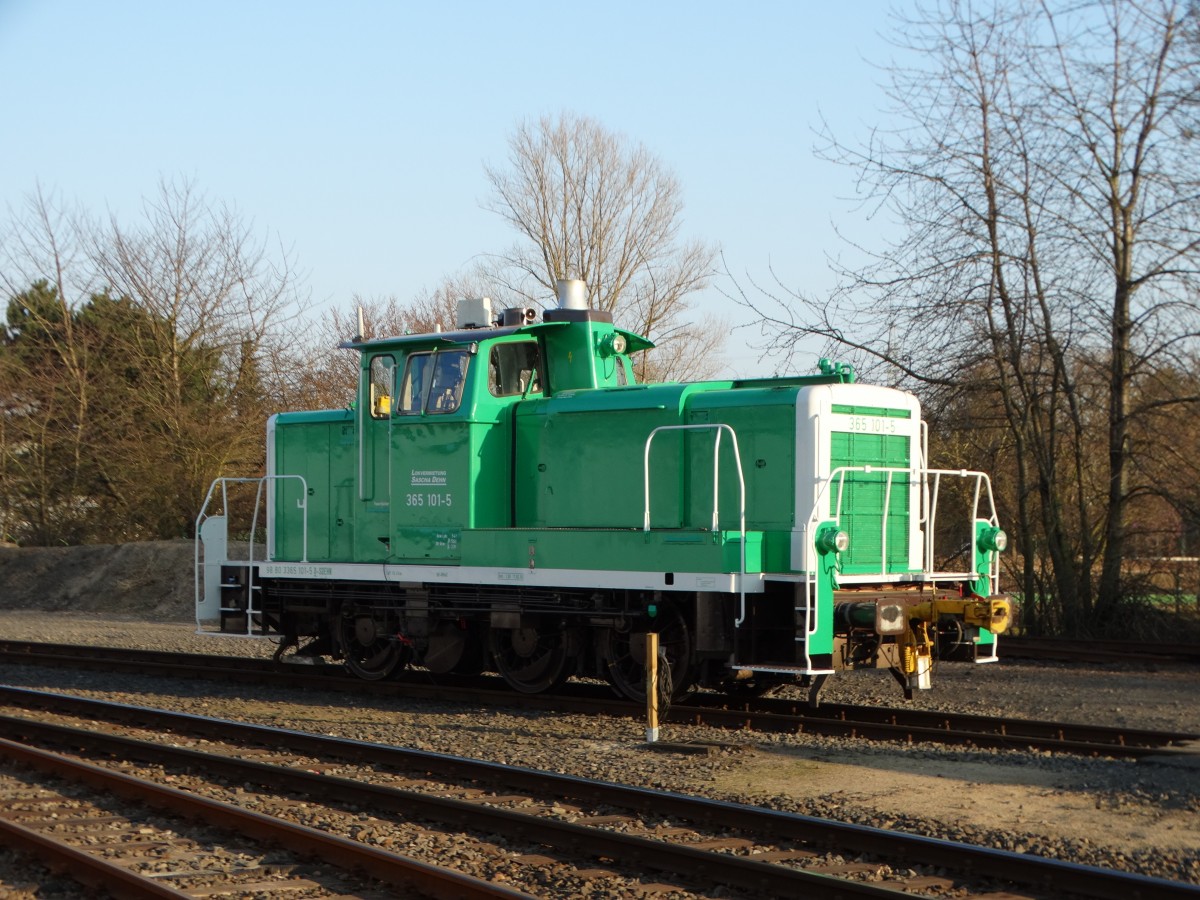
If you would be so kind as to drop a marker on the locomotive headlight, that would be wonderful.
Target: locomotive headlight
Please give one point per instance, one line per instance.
(832, 539)
(993, 539)
(612, 344)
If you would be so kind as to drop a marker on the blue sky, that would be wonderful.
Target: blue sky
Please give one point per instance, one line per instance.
(358, 131)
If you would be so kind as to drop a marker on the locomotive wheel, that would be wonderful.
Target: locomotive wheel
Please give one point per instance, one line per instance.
(371, 653)
(473, 657)
(533, 658)
(453, 648)
(622, 656)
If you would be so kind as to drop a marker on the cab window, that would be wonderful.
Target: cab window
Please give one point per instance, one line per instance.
(414, 384)
(513, 369)
(433, 382)
(382, 376)
(449, 379)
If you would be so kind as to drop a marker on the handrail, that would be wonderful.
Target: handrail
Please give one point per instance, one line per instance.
(932, 518)
(719, 428)
(202, 516)
(812, 609)
(982, 490)
(260, 480)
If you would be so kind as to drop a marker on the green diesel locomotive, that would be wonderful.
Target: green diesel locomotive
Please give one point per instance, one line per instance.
(506, 497)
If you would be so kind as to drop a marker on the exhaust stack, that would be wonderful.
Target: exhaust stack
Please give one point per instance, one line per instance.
(572, 293)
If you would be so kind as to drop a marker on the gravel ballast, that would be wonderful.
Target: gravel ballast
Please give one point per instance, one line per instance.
(1137, 816)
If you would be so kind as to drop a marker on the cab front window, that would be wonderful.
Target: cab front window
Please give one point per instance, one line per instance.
(433, 382)
(449, 379)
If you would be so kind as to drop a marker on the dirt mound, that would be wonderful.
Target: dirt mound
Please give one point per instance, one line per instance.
(153, 579)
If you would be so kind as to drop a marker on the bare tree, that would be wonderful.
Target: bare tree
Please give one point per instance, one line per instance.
(693, 353)
(325, 376)
(213, 299)
(47, 413)
(322, 374)
(135, 364)
(1045, 283)
(588, 204)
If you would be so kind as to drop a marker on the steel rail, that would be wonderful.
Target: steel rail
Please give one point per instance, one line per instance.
(84, 867)
(1054, 875)
(680, 860)
(397, 870)
(761, 714)
(1100, 651)
(1120, 738)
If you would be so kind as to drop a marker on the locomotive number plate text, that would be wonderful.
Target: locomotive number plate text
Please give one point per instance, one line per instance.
(868, 424)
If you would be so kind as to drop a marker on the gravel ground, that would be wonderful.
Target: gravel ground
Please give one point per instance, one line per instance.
(1139, 816)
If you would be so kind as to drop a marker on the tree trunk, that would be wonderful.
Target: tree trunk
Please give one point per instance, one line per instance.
(1109, 593)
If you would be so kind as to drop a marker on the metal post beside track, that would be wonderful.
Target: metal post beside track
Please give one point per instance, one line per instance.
(651, 686)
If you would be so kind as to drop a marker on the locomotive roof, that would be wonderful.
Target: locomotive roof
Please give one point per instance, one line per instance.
(462, 336)
(467, 336)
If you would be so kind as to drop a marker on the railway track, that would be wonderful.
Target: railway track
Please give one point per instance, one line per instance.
(570, 822)
(760, 714)
(133, 837)
(1097, 651)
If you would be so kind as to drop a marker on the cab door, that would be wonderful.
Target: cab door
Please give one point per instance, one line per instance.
(431, 461)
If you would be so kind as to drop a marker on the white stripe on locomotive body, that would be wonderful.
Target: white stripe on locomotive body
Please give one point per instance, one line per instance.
(489, 576)
(815, 424)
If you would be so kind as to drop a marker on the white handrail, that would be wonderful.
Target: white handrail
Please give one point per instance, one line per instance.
(812, 610)
(719, 428)
(887, 505)
(982, 482)
(301, 504)
(932, 517)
